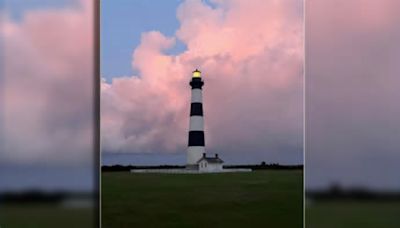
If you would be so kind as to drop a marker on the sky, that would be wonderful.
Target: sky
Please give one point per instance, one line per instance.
(352, 92)
(122, 23)
(17, 8)
(252, 62)
(253, 75)
(46, 95)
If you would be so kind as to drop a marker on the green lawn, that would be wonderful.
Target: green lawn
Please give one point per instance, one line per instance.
(257, 199)
(352, 214)
(45, 216)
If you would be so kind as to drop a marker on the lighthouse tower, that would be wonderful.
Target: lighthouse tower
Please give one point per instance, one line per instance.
(196, 144)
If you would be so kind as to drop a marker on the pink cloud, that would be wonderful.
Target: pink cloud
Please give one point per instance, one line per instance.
(352, 56)
(251, 58)
(48, 85)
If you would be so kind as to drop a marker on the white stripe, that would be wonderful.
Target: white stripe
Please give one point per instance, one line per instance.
(196, 95)
(194, 153)
(196, 123)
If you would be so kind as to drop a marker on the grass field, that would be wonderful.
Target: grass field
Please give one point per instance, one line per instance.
(272, 198)
(353, 214)
(45, 216)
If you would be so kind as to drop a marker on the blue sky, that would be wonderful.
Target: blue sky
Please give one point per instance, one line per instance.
(17, 8)
(123, 22)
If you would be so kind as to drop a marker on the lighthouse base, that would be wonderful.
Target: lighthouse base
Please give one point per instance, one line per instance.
(194, 154)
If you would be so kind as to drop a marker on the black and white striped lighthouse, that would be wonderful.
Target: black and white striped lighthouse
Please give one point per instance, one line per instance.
(196, 143)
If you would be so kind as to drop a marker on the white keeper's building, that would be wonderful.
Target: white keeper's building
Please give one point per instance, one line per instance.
(210, 164)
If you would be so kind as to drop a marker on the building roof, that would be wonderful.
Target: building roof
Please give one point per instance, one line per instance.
(211, 160)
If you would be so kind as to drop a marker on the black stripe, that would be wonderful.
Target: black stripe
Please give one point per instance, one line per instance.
(196, 138)
(196, 109)
(196, 83)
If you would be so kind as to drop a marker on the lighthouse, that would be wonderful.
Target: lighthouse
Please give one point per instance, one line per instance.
(196, 143)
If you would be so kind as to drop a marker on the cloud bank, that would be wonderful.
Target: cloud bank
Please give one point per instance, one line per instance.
(352, 91)
(47, 86)
(251, 56)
